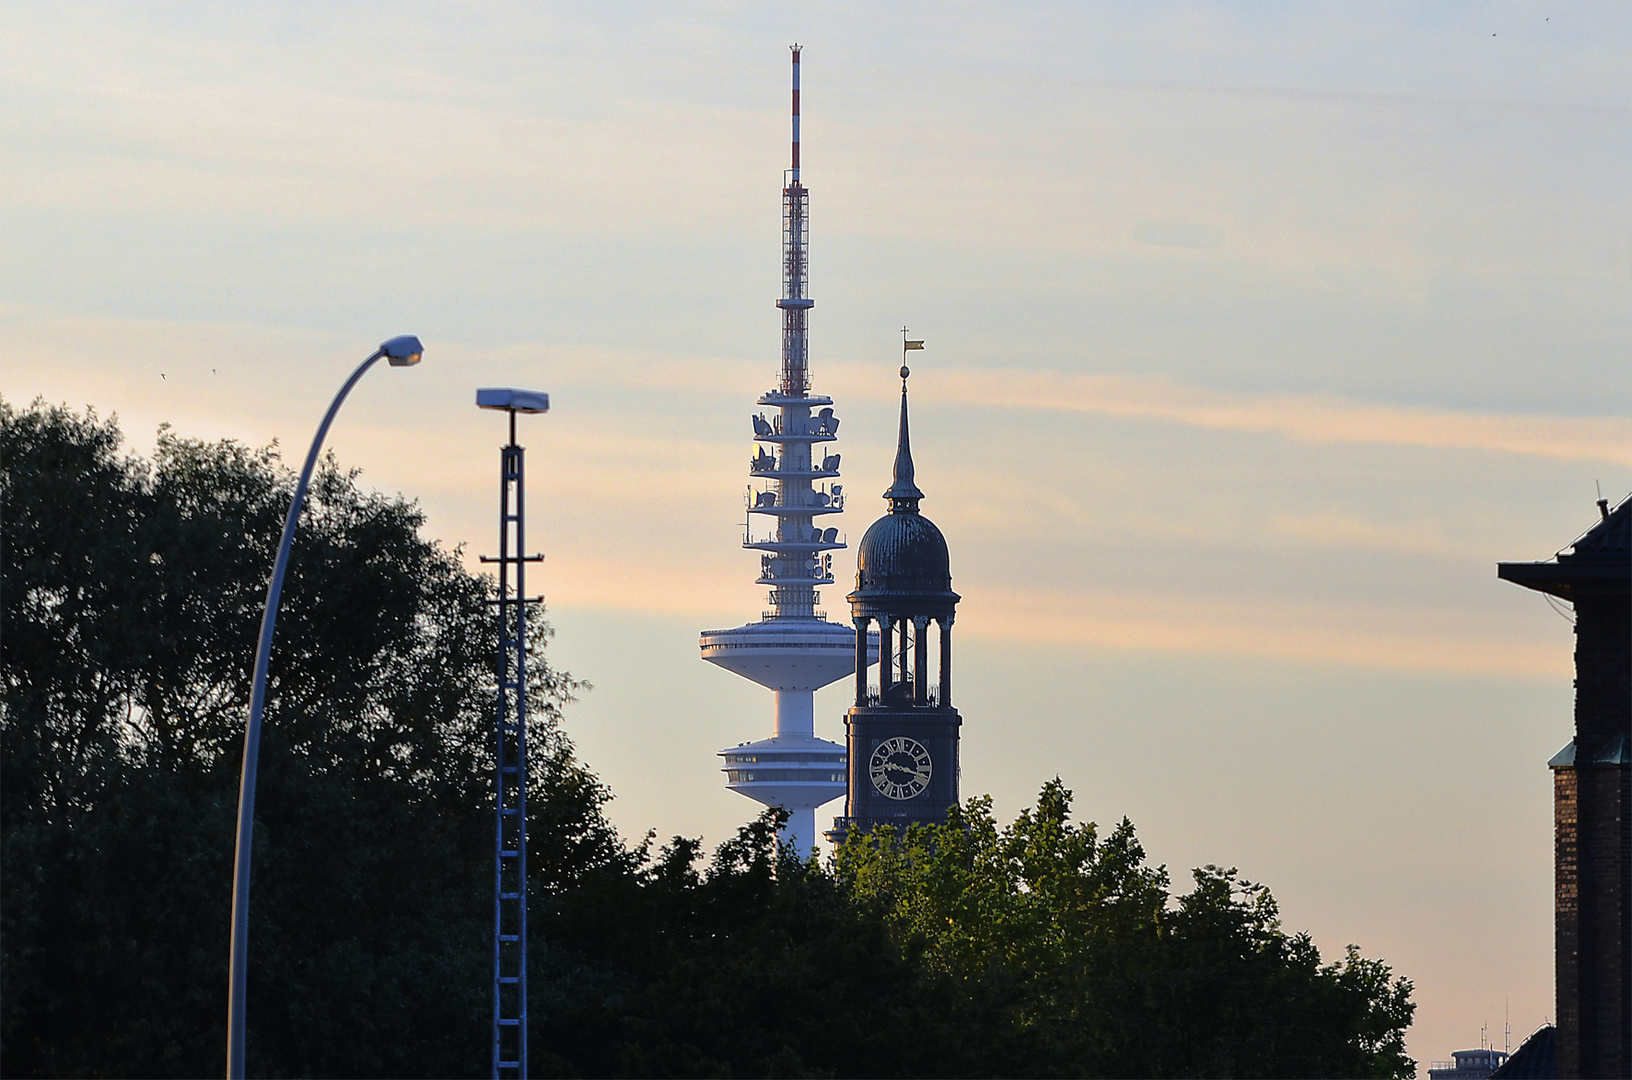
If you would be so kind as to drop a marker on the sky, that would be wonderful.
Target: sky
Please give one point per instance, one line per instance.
(1256, 335)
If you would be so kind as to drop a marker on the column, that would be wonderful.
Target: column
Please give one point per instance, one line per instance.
(901, 653)
(886, 653)
(920, 661)
(861, 660)
(946, 661)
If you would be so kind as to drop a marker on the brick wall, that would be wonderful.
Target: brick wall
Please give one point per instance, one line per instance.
(1593, 854)
(1604, 967)
(1566, 919)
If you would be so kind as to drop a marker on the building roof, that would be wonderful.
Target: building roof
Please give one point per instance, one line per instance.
(1600, 560)
(1536, 1059)
(903, 493)
(902, 565)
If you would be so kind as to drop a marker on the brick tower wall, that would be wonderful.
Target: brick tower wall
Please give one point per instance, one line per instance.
(1593, 859)
(1566, 919)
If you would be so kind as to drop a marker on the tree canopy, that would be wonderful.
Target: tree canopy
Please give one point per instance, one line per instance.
(131, 599)
(1081, 946)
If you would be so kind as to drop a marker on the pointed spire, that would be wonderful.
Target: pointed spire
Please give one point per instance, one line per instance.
(903, 494)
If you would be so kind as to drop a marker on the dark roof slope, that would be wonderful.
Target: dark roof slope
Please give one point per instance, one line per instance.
(1535, 1060)
(1600, 560)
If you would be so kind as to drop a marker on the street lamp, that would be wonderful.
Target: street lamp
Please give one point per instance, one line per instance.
(510, 759)
(401, 352)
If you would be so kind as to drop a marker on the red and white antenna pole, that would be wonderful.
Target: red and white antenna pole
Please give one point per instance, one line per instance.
(795, 114)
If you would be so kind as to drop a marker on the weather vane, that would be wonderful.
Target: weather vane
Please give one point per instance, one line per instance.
(907, 345)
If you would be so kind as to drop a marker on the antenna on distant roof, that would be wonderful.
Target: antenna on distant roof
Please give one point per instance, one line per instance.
(1603, 503)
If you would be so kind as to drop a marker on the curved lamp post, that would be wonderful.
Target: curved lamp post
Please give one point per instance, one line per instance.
(401, 352)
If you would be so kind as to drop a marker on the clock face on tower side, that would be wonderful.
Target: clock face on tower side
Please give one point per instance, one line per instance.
(900, 768)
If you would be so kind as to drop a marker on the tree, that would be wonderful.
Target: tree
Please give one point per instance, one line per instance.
(132, 596)
(758, 965)
(1084, 947)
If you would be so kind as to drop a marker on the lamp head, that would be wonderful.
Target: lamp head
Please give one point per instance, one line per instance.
(512, 400)
(403, 351)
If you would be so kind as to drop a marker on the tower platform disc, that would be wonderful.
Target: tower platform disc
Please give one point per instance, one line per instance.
(785, 653)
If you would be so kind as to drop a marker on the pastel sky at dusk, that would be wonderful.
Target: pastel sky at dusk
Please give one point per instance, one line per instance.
(1257, 334)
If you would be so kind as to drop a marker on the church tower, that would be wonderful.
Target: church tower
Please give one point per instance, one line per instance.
(903, 733)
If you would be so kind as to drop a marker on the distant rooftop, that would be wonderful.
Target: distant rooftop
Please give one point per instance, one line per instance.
(1469, 1065)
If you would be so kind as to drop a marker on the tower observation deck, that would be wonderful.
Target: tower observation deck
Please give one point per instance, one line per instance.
(793, 649)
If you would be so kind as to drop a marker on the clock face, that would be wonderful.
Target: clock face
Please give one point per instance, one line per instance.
(900, 768)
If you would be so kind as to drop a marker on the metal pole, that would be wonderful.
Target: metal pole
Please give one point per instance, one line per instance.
(510, 776)
(511, 798)
(510, 745)
(238, 978)
(519, 718)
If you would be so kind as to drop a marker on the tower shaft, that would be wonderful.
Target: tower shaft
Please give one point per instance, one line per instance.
(794, 302)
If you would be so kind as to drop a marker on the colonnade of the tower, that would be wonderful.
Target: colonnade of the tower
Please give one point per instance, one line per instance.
(904, 667)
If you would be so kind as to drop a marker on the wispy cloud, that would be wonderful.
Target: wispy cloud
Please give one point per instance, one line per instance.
(688, 481)
(1163, 399)
(1315, 419)
(1354, 634)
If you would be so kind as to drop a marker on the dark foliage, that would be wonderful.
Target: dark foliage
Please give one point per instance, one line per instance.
(131, 600)
(1076, 942)
(132, 597)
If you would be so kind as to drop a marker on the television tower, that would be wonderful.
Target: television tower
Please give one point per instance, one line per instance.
(793, 649)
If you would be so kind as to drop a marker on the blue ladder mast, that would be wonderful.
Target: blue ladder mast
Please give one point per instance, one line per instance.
(510, 747)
